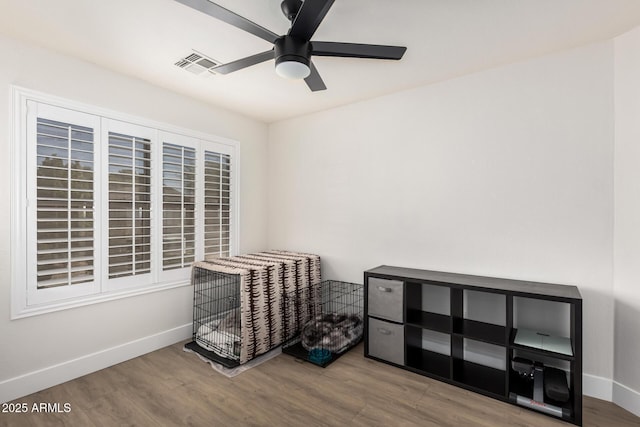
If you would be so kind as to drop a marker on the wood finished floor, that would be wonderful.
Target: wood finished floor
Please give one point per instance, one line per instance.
(172, 388)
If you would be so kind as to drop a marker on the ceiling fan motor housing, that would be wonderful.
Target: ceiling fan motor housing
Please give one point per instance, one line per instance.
(289, 48)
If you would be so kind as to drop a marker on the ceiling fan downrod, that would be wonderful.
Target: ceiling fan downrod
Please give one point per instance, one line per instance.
(290, 8)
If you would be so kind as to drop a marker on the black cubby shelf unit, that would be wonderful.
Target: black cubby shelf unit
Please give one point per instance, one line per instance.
(467, 330)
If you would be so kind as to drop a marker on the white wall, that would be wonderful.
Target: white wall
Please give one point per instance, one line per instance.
(506, 172)
(627, 219)
(41, 342)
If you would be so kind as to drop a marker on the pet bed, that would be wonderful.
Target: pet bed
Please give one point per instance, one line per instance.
(333, 332)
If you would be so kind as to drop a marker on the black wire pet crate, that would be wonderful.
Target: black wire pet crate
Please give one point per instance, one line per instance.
(324, 323)
(237, 302)
(216, 316)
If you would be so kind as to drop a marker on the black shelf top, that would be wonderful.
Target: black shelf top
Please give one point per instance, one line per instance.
(488, 284)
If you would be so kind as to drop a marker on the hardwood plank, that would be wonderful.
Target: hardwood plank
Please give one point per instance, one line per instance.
(170, 387)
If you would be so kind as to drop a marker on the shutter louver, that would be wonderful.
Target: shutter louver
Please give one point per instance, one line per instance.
(129, 205)
(178, 206)
(65, 200)
(217, 204)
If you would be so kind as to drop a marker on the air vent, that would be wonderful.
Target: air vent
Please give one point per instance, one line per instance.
(197, 63)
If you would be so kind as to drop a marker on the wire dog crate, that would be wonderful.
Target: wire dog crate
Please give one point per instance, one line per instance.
(216, 316)
(323, 324)
(237, 302)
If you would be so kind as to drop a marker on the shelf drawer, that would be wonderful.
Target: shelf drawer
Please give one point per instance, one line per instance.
(386, 341)
(385, 299)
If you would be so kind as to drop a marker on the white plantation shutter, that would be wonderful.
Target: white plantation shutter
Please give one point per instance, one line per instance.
(178, 206)
(108, 206)
(65, 201)
(129, 205)
(217, 204)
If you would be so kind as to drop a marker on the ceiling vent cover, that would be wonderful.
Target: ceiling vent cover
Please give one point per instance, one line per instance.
(197, 63)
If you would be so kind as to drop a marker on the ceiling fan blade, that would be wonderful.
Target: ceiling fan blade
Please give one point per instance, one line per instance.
(244, 62)
(314, 81)
(356, 50)
(309, 17)
(225, 15)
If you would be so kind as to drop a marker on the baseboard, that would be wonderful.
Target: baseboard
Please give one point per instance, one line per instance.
(41, 379)
(598, 387)
(612, 391)
(626, 398)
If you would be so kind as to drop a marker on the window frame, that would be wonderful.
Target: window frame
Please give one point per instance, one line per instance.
(22, 186)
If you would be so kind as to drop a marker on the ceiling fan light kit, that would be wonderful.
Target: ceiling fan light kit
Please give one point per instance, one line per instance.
(292, 69)
(292, 52)
(292, 57)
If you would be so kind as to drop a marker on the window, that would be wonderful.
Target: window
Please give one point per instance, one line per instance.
(64, 204)
(178, 206)
(129, 205)
(217, 203)
(107, 205)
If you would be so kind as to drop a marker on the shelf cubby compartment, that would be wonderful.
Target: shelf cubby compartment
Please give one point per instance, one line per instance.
(428, 306)
(479, 365)
(430, 362)
(428, 351)
(479, 315)
(551, 317)
(484, 379)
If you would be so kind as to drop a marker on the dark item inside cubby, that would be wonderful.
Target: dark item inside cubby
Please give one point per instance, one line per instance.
(323, 324)
(521, 386)
(492, 327)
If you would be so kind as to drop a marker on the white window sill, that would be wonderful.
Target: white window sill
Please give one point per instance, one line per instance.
(36, 310)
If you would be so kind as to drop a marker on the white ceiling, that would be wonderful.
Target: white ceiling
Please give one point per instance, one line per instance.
(444, 39)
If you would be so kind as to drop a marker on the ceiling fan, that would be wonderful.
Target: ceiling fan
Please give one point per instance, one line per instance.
(293, 51)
